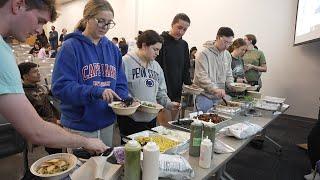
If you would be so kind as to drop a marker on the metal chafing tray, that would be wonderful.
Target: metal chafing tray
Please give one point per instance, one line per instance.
(180, 148)
(184, 124)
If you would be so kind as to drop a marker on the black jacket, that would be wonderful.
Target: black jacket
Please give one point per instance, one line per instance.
(175, 62)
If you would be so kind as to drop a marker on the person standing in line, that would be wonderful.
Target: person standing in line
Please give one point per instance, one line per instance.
(174, 58)
(88, 75)
(146, 82)
(213, 71)
(19, 19)
(237, 50)
(254, 61)
(193, 51)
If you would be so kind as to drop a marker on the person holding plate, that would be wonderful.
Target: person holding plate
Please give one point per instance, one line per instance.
(146, 82)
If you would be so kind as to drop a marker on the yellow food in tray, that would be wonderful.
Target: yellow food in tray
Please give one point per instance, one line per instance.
(53, 166)
(163, 142)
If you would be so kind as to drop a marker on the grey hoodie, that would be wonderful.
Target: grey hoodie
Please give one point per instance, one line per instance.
(146, 84)
(213, 68)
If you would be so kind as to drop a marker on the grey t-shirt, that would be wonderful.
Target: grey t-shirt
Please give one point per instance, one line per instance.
(237, 67)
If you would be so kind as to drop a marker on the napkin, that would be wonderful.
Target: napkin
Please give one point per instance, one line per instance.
(97, 168)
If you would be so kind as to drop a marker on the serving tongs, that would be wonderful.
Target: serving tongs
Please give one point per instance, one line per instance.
(127, 101)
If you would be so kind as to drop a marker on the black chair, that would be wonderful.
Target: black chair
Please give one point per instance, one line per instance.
(11, 142)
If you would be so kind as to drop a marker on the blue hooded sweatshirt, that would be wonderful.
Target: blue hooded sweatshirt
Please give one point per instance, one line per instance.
(81, 73)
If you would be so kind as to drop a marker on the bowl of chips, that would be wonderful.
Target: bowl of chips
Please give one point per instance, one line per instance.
(150, 107)
(120, 108)
(239, 87)
(55, 166)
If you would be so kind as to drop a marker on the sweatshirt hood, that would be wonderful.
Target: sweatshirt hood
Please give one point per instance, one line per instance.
(168, 37)
(210, 45)
(78, 35)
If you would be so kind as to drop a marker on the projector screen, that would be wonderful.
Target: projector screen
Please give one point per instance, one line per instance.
(307, 22)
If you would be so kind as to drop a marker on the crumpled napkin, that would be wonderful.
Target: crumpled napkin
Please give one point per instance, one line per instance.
(221, 148)
(96, 168)
(241, 130)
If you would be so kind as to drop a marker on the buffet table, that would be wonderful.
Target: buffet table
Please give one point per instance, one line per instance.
(219, 161)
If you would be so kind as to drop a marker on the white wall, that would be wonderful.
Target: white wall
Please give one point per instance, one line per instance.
(293, 72)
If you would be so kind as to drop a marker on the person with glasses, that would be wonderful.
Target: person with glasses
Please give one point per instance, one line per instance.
(19, 19)
(146, 82)
(213, 70)
(88, 74)
(254, 60)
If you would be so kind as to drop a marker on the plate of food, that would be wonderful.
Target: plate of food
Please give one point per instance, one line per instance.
(120, 108)
(193, 89)
(239, 87)
(150, 107)
(252, 88)
(231, 108)
(55, 166)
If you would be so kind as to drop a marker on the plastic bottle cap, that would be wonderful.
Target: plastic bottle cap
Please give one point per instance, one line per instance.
(210, 123)
(197, 122)
(206, 141)
(133, 144)
(151, 146)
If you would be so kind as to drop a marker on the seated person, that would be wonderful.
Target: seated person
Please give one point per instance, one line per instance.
(146, 82)
(42, 54)
(213, 70)
(35, 50)
(38, 95)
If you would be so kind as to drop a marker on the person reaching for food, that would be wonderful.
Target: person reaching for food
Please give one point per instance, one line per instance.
(146, 82)
(88, 75)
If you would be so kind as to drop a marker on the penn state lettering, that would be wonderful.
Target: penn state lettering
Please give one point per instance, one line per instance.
(96, 69)
(143, 73)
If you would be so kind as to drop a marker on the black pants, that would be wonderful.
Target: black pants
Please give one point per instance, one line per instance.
(128, 126)
(314, 144)
(53, 150)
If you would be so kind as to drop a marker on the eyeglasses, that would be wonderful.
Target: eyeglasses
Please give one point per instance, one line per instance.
(103, 24)
(228, 43)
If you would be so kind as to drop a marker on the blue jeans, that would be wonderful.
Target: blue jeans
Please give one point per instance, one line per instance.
(204, 103)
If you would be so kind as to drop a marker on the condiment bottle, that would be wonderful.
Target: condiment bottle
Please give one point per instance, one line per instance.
(132, 169)
(205, 153)
(209, 130)
(195, 138)
(150, 164)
